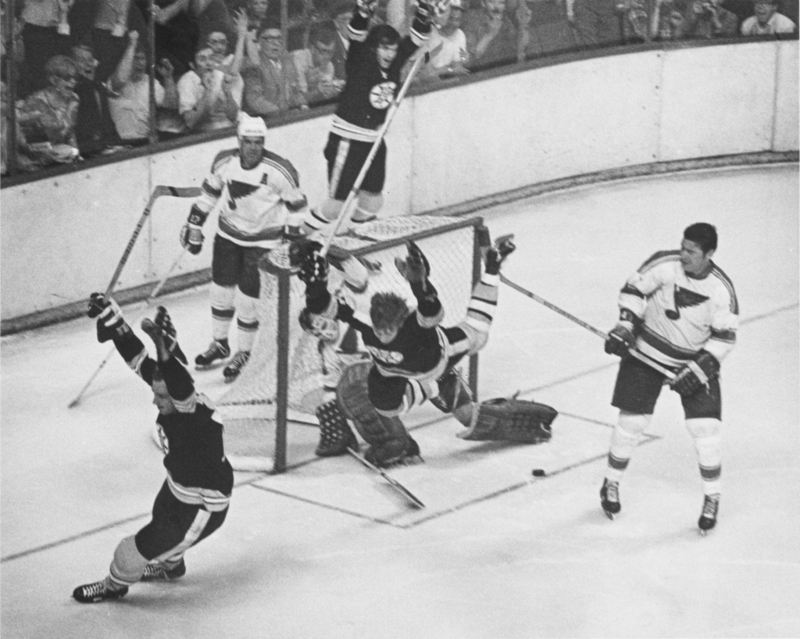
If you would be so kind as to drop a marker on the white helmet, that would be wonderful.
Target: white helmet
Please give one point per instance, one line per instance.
(251, 127)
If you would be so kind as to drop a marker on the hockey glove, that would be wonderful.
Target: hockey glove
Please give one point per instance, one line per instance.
(110, 323)
(170, 335)
(415, 268)
(192, 238)
(366, 7)
(498, 252)
(314, 269)
(696, 374)
(622, 337)
(426, 12)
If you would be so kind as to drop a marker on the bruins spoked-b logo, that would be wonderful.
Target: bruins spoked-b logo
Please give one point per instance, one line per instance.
(382, 94)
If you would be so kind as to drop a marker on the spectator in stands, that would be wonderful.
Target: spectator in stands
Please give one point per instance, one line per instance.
(130, 110)
(4, 128)
(341, 13)
(112, 21)
(492, 37)
(635, 20)
(47, 118)
(223, 59)
(212, 16)
(45, 34)
(208, 99)
(447, 45)
(596, 22)
(176, 34)
(314, 73)
(256, 12)
(544, 27)
(667, 21)
(94, 128)
(707, 19)
(767, 20)
(268, 87)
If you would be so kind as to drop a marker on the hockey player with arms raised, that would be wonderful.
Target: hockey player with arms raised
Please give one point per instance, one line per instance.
(374, 63)
(193, 501)
(412, 359)
(259, 198)
(679, 309)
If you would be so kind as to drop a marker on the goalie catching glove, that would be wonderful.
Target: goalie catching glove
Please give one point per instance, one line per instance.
(314, 266)
(696, 374)
(110, 322)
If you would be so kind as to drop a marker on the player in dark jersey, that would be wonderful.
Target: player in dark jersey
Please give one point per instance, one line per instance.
(375, 60)
(193, 501)
(411, 354)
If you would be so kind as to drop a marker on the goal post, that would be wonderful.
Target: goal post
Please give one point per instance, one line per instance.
(282, 383)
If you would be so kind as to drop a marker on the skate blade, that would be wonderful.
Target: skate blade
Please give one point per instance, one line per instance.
(608, 514)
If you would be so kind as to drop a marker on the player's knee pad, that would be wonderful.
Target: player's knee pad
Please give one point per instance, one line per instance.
(632, 424)
(353, 397)
(704, 427)
(222, 297)
(128, 564)
(626, 436)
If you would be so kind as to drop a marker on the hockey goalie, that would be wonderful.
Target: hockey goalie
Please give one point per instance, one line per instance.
(412, 358)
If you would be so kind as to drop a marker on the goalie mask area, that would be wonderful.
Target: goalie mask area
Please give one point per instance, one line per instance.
(512, 420)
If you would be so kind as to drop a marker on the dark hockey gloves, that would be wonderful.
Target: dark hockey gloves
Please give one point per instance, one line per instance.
(503, 247)
(110, 323)
(191, 232)
(426, 11)
(415, 268)
(366, 7)
(162, 329)
(696, 374)
(314, 267)
(622, 337)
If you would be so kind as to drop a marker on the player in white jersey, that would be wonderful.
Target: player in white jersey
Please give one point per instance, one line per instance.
(679, 309)
(258, 196)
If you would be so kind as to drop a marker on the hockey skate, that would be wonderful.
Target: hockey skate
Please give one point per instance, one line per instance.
(97, 592)
(236, 365)
(708, 519)
(159, 572)
(217, 350)
(392, 452)
(609, 498)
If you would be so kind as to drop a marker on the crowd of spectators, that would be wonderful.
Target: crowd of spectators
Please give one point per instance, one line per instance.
(80, 67)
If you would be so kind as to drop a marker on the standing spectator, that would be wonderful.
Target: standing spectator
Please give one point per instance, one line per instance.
(208, 99)
(257, 191)
(228, 63)
(680, 310)
(596, 22)
(635, 21)
(193, 501)
(113, 20)
(767, 20)
(341, 13)
(667, 21)
(130, 109)
(256, 12)
(46, 33)
(268, 87)
(544, 27)
(176, 34)
(95, 128)
(314, 72)
(448, 44)
(47, 118)
(491, 35)
(707, 19)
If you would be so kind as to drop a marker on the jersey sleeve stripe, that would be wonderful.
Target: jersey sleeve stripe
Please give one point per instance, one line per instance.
(659, 258)
(726, 282)
(631, 290)
(724, 336)
(665, 347)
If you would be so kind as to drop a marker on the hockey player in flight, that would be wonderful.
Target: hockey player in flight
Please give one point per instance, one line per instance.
(412, 358)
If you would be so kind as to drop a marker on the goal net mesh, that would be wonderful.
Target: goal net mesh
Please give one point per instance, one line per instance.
(248, 408)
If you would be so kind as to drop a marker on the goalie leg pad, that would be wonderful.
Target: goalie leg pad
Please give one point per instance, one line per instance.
(335, 436)
(512, 420)
(387, 436)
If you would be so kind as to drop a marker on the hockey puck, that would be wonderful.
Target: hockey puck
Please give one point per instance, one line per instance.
(538, 472)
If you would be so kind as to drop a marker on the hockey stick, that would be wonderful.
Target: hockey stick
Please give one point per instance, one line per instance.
(632, 351)
(344, 214)
(405, 492)
(174, 191)
(153, 294)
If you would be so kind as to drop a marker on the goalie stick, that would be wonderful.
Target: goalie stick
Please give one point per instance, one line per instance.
(632, 351)
(405, 492)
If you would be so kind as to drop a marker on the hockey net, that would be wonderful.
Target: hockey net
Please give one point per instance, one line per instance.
(283, 381)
